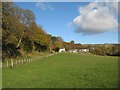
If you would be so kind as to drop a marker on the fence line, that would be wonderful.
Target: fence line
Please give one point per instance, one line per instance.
(12, 63)
(7, 64)
(1, 64)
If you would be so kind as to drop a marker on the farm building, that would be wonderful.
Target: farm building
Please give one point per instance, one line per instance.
(84, 50)
(79, 50)
(62, 50)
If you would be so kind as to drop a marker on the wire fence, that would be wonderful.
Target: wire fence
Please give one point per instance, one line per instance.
(16, 62)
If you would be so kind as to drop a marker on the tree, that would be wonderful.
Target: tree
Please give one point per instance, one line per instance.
(56, 43)
(72, 42)
(26, 18)
(11, 28)
(20, 32)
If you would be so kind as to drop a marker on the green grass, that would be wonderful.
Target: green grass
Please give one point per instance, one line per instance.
(64, 71)
(24, 57)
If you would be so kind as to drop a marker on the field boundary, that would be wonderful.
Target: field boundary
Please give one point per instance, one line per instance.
(17, 62)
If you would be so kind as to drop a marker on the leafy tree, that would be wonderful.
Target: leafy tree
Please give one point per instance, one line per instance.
(72, 42)
(10, 29)
(26, 18)
(56, 43)
(20, 32)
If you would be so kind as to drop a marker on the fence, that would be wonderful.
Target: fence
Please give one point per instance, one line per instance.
(12, 63)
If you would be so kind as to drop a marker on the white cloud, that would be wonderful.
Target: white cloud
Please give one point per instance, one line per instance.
(97, 17)
(44, 6)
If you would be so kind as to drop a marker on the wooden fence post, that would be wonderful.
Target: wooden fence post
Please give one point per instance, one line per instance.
(22, 61)
(16, 62)
(1, 64)
(11, 63)
(7, 64)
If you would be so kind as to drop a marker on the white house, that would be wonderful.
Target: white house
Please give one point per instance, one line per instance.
(84, 50)
(75, 51)
(62, 50)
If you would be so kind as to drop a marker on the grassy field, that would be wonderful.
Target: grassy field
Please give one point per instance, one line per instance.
(64, 71)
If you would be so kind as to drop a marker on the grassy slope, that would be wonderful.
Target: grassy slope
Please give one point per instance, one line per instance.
(64, 70)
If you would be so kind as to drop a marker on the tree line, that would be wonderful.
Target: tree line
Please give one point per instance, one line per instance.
(20, 33)
(105, 49)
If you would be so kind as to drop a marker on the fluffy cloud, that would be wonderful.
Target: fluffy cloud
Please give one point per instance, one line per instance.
(97, 17)
(44, 6)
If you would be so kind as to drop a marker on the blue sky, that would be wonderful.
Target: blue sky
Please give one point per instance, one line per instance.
(56, 17)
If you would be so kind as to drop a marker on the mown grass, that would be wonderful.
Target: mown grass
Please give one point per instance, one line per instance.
(64, 71)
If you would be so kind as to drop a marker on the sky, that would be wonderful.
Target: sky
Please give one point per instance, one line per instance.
(83, 22)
